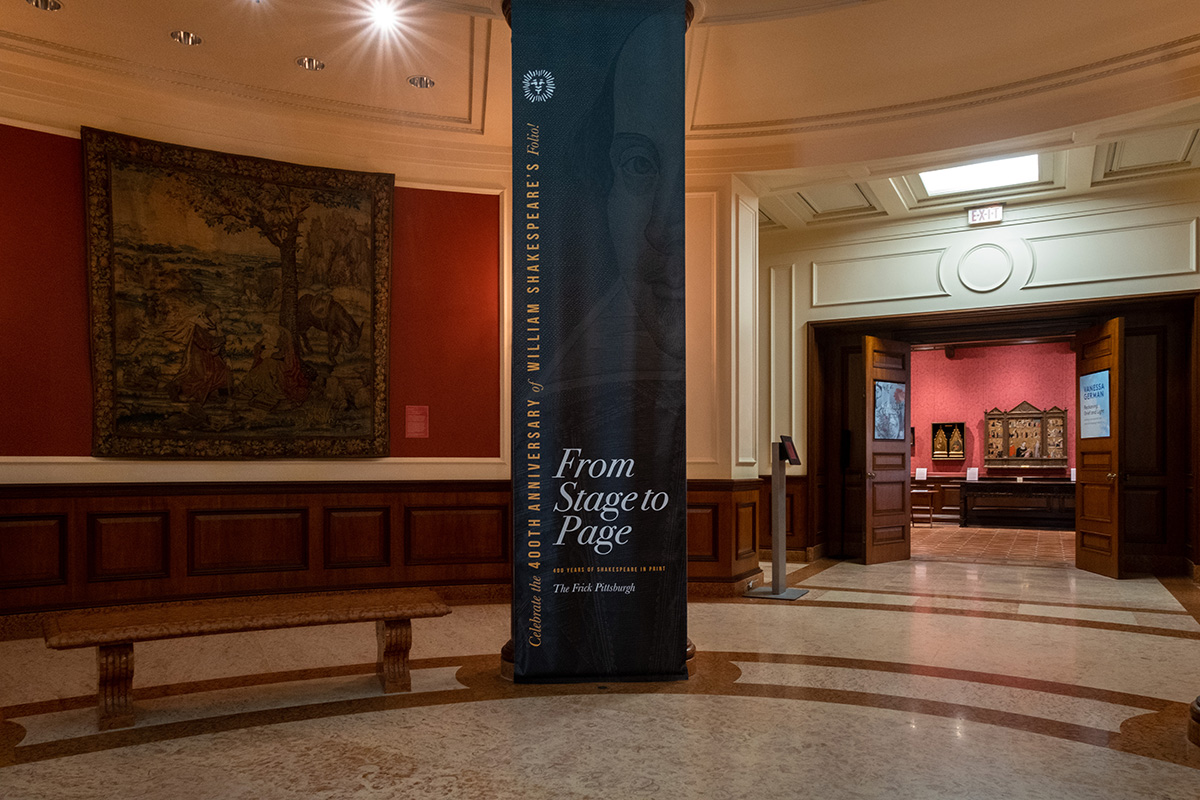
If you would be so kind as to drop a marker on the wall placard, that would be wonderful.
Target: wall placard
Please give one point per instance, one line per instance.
(1094, 417)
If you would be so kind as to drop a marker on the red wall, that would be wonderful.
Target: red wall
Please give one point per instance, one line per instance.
(45, 372)
(446, 322)
(978, 379)
(445, 327)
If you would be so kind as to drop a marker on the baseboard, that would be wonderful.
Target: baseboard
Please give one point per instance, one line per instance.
(814, 553)
(791, 556)
(735, 588)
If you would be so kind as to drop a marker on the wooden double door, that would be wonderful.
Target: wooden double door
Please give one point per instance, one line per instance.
(1132, 445)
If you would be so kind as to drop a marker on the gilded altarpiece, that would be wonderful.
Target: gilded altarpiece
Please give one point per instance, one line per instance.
(1026, 436)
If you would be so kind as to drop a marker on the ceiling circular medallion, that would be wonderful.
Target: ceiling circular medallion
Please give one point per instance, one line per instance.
(985, 268)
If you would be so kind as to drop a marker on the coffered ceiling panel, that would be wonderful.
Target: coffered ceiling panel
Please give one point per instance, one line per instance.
(1166, 148)
(832, 199)
(1148, 155)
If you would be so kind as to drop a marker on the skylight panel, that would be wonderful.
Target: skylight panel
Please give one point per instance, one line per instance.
(981, 177)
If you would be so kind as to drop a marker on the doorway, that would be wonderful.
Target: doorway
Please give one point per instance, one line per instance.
(959, 393)
(1156, 476)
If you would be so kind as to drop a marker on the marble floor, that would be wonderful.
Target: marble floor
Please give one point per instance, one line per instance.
(919, 679)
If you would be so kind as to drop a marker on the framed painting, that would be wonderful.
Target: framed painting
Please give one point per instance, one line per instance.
(239, 306)
(890, 413)
(949, 439)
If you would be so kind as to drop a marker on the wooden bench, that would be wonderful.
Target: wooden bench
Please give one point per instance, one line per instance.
(114, 629)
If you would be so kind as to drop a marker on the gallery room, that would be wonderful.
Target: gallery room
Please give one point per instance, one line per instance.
(281, 310)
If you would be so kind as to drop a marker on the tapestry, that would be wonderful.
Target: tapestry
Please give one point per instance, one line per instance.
(239, 306)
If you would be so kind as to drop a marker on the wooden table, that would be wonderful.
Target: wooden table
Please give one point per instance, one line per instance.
(1025, 504)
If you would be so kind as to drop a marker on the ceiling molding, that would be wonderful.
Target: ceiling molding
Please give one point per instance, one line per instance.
(1154, 56)
(471, 121)
(751, 12)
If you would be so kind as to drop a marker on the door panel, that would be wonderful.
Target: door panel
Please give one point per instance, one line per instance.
(888, 414)
(852, 454)
(1099, 354)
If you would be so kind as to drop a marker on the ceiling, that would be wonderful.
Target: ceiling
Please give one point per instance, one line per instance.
(825, 107)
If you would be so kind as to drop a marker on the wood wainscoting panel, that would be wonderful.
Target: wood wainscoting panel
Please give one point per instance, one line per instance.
(247, 540)
(358, 537)
(746, 529)
(129, 546)
(948, 499)
(723, 521)
(795, 515)
(33, 550)
(80, 545)
(703, 532)
(437, 535)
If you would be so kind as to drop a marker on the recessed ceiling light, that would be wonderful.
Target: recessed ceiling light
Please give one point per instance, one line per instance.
(421, 81)
(45, 5)
(186, 37)
(978, 177)
(308, 62)
(384, 15)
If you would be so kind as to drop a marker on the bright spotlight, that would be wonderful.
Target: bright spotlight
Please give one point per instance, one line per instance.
(384, 15)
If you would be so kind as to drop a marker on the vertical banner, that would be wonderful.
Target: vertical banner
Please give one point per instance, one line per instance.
(599, 462)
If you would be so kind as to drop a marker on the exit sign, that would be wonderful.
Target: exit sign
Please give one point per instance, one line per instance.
(984, 215)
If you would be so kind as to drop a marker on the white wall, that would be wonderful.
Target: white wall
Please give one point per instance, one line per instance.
(723, 331)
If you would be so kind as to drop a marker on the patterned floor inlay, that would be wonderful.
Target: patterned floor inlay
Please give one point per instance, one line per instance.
(923, 679)
(177, 708)
(703, 738)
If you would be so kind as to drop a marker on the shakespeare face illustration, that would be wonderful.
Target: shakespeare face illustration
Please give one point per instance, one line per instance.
(645, 215)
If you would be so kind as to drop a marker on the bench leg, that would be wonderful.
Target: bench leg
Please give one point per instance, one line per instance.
(394, 637)
(114, 664)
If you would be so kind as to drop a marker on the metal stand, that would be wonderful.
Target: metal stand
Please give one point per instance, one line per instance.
(778, 589)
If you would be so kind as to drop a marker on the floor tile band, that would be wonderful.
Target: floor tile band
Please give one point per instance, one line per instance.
(993, 599)
(216, 684)
(1000, 615)
(970, 676)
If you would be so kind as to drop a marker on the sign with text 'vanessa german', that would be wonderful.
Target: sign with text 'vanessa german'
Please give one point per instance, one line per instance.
(1094, 418)
(599, 466)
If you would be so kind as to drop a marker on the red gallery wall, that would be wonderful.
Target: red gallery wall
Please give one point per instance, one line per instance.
(445, 347)
(445, 326)
(978, 379)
